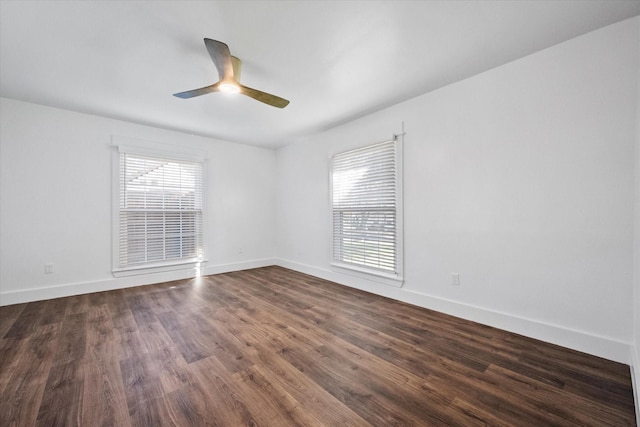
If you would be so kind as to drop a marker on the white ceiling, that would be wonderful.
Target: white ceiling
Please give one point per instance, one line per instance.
(334, 60)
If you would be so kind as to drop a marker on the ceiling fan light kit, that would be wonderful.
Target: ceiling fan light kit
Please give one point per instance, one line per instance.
(229, 69)
(230, 88)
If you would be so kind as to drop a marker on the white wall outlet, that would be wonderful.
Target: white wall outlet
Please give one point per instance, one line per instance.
(455, 279)
(48, 268)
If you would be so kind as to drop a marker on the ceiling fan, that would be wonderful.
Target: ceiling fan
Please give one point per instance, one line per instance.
(229, 68)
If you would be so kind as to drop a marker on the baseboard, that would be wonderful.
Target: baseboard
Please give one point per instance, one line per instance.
(65, 290)
(578, 340)
(635, 380)
(238, 266)
(600, 346)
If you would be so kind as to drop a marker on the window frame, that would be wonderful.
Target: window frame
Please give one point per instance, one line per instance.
(395, 278)
(132, 146)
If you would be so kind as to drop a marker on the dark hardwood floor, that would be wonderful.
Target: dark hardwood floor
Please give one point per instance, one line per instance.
(272, 347)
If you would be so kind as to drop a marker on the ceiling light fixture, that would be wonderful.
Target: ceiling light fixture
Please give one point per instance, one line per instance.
(229, 88)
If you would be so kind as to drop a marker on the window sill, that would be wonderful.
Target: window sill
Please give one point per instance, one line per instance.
(390, 279)
(194, 264)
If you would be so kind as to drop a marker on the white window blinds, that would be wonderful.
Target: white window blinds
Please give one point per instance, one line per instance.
(160, 211)
(364, 201)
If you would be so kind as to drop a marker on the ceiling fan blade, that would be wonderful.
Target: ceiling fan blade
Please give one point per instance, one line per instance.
(267, 98)
(221, 57)
(237, 68)
(197, 92)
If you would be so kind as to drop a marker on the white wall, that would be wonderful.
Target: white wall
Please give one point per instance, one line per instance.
(521, 179)
(635, 359)
(55, 202)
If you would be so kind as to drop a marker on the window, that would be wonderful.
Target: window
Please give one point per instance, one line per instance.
(159, 211)
(366, 216)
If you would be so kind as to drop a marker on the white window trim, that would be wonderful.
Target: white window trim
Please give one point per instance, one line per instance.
(389, 278)
(122, 144)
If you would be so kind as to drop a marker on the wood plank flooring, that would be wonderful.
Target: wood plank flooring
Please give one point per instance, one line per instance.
(273, 347)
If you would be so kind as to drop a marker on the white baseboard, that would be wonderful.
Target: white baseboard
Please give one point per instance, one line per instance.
(600, 346)
(578, 340)
(237, 266)
(65, 290)
(635, 380)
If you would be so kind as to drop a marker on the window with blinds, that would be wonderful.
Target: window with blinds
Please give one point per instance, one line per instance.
(365, 208)
(160, 211)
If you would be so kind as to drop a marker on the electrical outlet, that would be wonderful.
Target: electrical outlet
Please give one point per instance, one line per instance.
(455, 279)
(48, 268)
